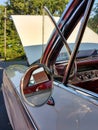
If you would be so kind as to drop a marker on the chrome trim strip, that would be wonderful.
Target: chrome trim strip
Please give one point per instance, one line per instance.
(55, 83)
(78, 40)
(68, 5)
(83, 93)
(58, 29)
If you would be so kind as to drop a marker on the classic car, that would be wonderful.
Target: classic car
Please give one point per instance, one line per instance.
(57, 93)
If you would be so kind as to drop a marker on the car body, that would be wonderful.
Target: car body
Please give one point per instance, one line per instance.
(73, 81)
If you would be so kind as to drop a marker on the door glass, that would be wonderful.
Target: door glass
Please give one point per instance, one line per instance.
(89, 46)
(89, 40)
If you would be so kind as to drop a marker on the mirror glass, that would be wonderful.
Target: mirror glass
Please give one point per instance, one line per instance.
(36, 85)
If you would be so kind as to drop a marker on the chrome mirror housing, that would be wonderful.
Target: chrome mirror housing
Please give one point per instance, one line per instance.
(36, 85)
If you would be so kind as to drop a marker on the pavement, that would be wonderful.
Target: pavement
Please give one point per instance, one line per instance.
(4, 121)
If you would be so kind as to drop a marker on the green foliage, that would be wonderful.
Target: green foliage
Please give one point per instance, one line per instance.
(93, 21)
(35, 6)
(31, 7)
(1, 24)
(23, 7)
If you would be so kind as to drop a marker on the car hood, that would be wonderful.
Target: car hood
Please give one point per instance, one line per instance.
(32, 34)
(71, 112)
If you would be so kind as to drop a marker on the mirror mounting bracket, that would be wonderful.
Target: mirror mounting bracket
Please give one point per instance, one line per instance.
(51, 101)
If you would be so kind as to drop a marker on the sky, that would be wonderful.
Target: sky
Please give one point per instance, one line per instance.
(2, 1)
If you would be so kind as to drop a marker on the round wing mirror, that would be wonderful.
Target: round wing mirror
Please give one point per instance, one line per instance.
(36, 85)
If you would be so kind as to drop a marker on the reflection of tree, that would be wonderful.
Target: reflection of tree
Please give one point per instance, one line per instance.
(24, 7)
(93, 21)
(14, 69)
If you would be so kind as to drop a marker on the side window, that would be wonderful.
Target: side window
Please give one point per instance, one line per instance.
(89, 40)
(90, 37)
(93, 19)
(63, 55)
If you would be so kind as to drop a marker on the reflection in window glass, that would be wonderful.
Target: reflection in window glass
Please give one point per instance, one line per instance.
(89, 41)
(90, 37)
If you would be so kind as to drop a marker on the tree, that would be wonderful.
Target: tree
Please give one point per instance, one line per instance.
(35, 6)
(25, 7)
(93, 21)
(1, 31)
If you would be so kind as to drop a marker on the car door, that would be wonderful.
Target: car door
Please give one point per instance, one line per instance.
(74, 108)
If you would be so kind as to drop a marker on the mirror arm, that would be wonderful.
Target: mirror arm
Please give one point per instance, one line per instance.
(59, 31)
(78, 40)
